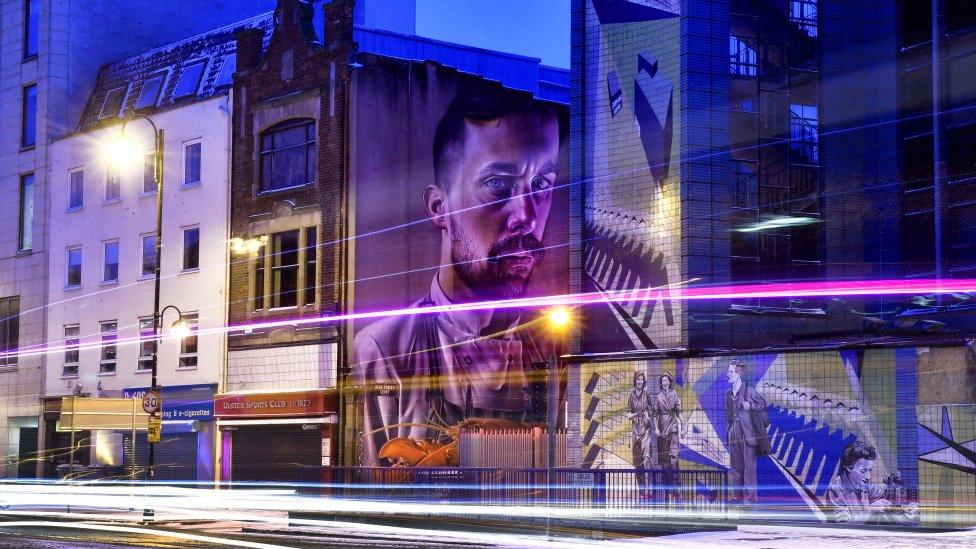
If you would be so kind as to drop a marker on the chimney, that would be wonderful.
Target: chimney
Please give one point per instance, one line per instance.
(295, 17)
(249, 48)
(339, 23)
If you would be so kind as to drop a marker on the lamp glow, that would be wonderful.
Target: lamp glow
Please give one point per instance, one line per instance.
(120, 152)
(179, 329)
(559, 317)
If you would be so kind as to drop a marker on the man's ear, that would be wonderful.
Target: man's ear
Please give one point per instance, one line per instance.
(435, 202)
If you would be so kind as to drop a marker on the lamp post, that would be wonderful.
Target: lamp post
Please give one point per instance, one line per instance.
(121, 151)
(559, 320)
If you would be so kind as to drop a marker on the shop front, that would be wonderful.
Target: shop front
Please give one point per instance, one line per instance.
(270, 436)
(186, 448)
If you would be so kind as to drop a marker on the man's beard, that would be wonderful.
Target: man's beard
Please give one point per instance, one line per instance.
(486, 276)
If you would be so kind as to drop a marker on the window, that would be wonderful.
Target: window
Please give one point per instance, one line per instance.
(110, 329)
(259, 270)
(226, 75)
(803, 14)
(31, 27)
(110, 271)
(291, 259)
(804, 134)
(191, 164)
(71, 341)
(284, 270)
(147, 342)
(74, 267)
(25, 232)
(28, 119)
(113, 185)
(190, 79)
(150, 91)
(288, 155)
(188, 346)
(112, 106)
(742, 57)
(76, 190)
(149, 174)
(191, 248)
(311, 252)
(9, 331)
(148, 255)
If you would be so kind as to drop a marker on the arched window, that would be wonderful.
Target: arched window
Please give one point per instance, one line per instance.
(288, 155)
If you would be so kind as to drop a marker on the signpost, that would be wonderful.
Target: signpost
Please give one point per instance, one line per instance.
(152, 402)
(155, 427)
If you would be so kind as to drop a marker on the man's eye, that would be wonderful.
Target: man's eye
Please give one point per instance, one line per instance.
(497, 184)
(541, 184)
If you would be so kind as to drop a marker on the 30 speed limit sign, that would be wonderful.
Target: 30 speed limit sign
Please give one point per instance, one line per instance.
(151, 403)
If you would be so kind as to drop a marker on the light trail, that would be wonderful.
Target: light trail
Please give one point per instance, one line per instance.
(567, 185)
(140, 531)
(671, 292)
(257, 507)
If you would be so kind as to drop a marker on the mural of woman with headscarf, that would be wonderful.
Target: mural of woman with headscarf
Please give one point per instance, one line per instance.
(668, 427)
(639, 411)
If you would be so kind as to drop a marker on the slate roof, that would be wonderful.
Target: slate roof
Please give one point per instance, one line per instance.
(215, 48)
(122, 83)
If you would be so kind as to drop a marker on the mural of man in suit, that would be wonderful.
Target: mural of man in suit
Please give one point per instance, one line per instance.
(745, 411)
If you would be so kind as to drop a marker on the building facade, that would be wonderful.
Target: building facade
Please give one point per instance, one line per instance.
(50, 59)
(937, 159)
(766, 143)
(102, 277)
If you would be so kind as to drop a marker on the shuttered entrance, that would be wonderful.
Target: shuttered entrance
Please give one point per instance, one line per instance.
(274, 453)
(175, 456)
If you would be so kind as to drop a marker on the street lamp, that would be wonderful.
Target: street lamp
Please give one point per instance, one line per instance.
(122, 151)
(558, 320)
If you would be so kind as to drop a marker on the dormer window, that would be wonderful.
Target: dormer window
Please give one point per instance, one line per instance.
(113, 102)
(151, 87)
(288, 155)
(190, 79)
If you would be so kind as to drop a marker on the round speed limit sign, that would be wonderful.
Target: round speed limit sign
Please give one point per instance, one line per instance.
(151, 403)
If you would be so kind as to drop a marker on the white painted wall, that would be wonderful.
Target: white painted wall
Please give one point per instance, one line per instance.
(201, 291)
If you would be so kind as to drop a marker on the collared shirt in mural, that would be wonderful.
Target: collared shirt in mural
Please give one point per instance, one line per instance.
(852, 504)
(641, 406)
(426, 370)
(667, 408)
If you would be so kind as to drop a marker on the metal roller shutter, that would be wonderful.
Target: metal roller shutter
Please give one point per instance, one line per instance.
(175, 456)
(274, 453)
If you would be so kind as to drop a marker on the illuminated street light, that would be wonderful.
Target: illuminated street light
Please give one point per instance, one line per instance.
(242, 246)
(179, 329)
(559, 318)
(121, 151)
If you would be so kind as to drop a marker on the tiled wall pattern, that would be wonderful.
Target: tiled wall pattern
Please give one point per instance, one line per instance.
(817, 402)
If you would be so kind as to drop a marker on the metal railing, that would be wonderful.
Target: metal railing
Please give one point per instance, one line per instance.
(581, 488)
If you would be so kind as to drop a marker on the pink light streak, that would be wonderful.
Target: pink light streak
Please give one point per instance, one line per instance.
(675, 293)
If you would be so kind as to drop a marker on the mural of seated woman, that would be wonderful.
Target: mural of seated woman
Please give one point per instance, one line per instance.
(853, 499)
